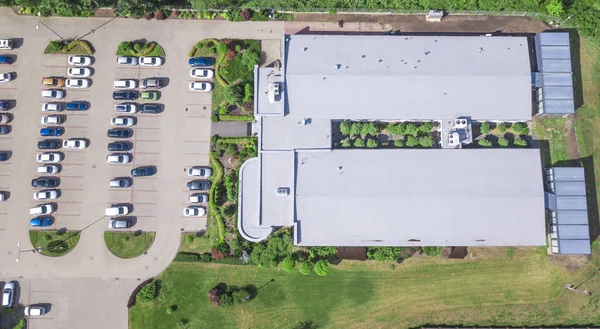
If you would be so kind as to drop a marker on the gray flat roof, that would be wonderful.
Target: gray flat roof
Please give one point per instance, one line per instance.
(469, 197)
(554, 61)
(408, 77)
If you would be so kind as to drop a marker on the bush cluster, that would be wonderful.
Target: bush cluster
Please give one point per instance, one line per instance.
(147, 293)
(390, 253)
(432, 251)
(234, 295)
(410, 129)
(273, 251)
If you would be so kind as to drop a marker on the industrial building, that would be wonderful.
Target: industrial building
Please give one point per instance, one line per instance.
(445, 196)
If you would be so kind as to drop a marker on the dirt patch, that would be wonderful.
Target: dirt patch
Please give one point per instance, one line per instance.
(571, 136)
(352, 253)
(104, 12)
(570, 262)
(229, 162)
(306, 23)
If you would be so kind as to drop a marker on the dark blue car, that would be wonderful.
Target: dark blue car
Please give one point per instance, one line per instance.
(143, 171)
(76, 106)
(125, 95)
(201, 61)
(51, 131)
(41, 221)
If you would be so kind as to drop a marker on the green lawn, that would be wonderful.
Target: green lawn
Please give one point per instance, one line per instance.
(501, 287)
(553, 131)
(128, 244)
(197, 244)
(53, 243)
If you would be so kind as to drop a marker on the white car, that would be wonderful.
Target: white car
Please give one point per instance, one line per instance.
(51, 120)
(202, 73)
(151, 61)
(45, 195)
(53, 93)
(78, 83)
(126, 84)
(35, 310)
(43, 209)
(127, 60)
(119, 158)
(194, 212)
(200, 86)
(122, 121)
(79, 72)
(2, 196)
(5, 77)
(117, 211)
(49, 157)
(5, 118)
(198, 198)
(80, 60)
(48, 169)
(199, 171)
(51, 107)
(126, 108)
(75, 143)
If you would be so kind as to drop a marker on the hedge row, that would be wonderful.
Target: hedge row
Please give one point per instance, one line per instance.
(212, 199)
(190, 257)
(238, 118)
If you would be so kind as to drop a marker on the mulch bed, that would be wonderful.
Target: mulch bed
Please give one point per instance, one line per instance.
(352, 253)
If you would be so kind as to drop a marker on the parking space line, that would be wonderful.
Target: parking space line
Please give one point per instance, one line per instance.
(148, 191)
(197, 141)
(72, 189)
(147, 140)
(61, 66)
(67, 126)
(148, 216)
(197, 116)
(70, 201)
(72, 164)
(9, 88)
(147, 152)
(59, 214)
(195, 153)
(68, 176)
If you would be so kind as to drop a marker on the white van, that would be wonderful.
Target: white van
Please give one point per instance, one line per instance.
(8, 295)
(6, 44)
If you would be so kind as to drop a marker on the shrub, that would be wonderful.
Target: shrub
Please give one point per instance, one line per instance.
(372, 143)
(359, 142)
(322, 252)
(368, 129)
(124, 47)
(238, 48)
(147, 293)
(399, 143)
(346, 142)
(555, 8)
(20, 325)
(412, 141)
(322, 267)
(484, 143)
(355, 129)
(230, 55)
(234, 295)
(502, 127)
(503, 142)
(171, 309)
(520, 142)
(485, 128)
(47, 237)
(426, 127)
(246, 14)
(159, 15)
(305, 267)
(232, 95)
(520, 128)
(221, 48)
(187, 257)
(231, 186)
(248, 93)
(137, 47)
(345, 128)
(396, 129)
(383, 253)
(411, 129)
(426, 141)
(288, 264)
(432, 251)
(56, 45)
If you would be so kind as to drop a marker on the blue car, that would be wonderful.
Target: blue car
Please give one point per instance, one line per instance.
(201, 61)
(41, 222)
(76, 106)
(143, 171)
(51, 131)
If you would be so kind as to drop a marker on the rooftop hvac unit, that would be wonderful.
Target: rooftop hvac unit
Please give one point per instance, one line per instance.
(273, 91)
(283, 191)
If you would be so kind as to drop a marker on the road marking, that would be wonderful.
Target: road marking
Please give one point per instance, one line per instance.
(70, 201)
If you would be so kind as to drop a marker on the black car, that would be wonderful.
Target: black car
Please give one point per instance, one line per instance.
(4, 130)
(198, 185)
(49, 144)
(3, 105)
(120, 146)
(150, 108)
(120, 133)
(125, 95)
(143, 171)
(4, 156)
(45, 182)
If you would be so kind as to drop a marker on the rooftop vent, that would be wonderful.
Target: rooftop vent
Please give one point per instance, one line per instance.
(283, 191)
(273, 92)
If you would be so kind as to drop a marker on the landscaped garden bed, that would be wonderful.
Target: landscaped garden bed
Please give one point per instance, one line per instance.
(233, 93)
(379, 134)
(500, 134)
(140, 49)
(69, 47)
(128, 244)
(53, 243)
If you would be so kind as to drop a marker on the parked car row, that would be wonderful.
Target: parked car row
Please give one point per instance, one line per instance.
(201, 71)
(197, 186)
(10, 299)
(5, 44)
(6, 59)
(49, 156)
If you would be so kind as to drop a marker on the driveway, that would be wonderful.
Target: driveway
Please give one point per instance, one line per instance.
(173, 141)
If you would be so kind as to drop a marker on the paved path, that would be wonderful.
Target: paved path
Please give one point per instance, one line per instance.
(232, 129)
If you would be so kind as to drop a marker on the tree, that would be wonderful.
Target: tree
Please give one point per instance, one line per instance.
(520, 142)
(426, 141)
(346, 142)
(396, 129)
(372, 143)
(232, 95)
(485, 128)
(484, 143)
(503, 142)
(520, 128)
(147, 293)
(202, 5)
(137, 8)
(355, 129)
(426, 127)
(359, 142)
(305, 267)
(345, 128)
(411, 129)
(221, 48)
(369, 129)
(322, 252)
(322, 267)
(412, 141)
(399, 143)
(555, 8)
(383, 253)
(288, 264)
(502, 127)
